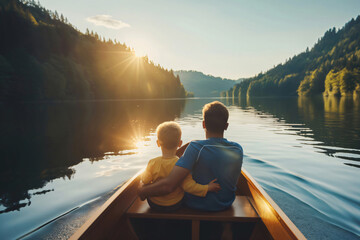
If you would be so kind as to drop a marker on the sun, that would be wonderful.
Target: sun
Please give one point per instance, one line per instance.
(140, 144)
(140, 52)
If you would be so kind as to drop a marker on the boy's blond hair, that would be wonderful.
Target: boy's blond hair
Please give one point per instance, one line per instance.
(169, 134)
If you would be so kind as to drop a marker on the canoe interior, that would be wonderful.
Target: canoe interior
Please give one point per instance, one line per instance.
(112, 220)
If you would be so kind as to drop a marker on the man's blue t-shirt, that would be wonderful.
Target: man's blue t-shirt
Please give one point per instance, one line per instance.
(209, 159)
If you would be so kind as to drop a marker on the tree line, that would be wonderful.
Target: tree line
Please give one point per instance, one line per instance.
(330, 67)
(44, 57)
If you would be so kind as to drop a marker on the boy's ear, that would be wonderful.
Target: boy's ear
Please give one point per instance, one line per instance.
(180, 143)
(226, 126)
(158, 143)
(203, 123)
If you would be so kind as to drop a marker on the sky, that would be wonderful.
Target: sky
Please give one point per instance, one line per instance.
(229, 38)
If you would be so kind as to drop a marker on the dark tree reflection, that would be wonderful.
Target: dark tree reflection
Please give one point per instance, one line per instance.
(40, 142)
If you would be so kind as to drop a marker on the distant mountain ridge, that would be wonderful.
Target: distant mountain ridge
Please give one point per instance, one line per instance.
(204, 85)
(331, 67)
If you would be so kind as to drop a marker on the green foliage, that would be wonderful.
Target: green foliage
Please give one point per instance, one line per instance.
(314, 71)
(43, 57)
(189, 94)
(342, 83)
(313, 83)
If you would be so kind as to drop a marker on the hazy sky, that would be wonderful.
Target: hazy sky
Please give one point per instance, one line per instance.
(224, 38)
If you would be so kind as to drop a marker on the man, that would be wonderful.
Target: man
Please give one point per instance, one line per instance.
(215, 157)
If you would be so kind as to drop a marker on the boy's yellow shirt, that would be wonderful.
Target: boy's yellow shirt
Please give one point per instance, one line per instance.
(160, 168)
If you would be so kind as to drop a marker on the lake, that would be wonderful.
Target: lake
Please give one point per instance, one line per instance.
(60, 161)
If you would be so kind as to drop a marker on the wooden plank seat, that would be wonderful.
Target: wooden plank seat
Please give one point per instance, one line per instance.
(240, 211)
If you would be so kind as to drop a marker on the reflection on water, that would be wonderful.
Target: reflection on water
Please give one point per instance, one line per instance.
(40, 142)
(306, 154)
(56, 156)
(332, 122)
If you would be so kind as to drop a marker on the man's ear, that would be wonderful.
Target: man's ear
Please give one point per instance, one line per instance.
(180, 143)
(203, 123)
(226, 126)
(158, 143)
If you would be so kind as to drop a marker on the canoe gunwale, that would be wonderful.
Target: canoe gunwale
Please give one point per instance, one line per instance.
(85, 231)
(277, 223)
(256, 192)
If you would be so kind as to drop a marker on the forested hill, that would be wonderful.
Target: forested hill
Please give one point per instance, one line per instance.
(42, 56)
(331, 67)
(202, 85)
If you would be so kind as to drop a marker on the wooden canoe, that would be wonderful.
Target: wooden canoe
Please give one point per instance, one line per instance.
(253, 205)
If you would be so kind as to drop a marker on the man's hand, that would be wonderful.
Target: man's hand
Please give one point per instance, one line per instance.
(213, 186)
(164, 186)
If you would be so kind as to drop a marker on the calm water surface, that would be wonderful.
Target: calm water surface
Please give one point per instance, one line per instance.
(61, 161)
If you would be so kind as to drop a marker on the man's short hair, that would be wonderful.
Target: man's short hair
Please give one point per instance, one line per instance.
(215, 115)
(169, 134)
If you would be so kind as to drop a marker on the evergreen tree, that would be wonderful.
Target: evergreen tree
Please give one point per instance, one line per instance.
(42, 57)
(330, 67)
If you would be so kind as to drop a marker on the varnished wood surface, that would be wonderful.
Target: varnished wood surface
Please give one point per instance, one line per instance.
(182, 149)
(195, 233)
(110, 221)
(240, 211)
(275, 220)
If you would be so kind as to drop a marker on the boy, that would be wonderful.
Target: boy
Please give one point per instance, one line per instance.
(214, 157)
(169, 139)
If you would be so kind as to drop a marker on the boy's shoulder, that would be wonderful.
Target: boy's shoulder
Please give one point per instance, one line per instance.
(155, 160)
(160, 159)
